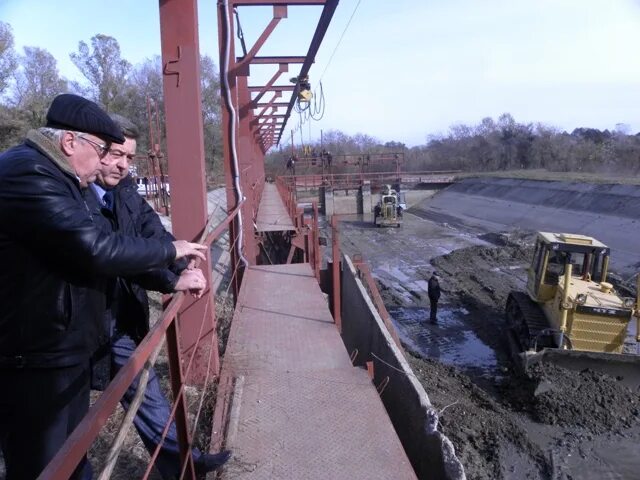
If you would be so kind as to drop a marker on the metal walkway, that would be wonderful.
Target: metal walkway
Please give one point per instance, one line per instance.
(272, 214)
(299, 409)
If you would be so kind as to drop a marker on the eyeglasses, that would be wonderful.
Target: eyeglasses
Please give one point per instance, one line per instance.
(101, 148)
(118, 154)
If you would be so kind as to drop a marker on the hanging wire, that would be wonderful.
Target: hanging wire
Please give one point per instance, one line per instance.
(340, 41)
(319, 105)
(240, 33)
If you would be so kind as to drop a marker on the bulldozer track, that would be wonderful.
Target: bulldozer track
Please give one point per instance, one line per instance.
(527, 320)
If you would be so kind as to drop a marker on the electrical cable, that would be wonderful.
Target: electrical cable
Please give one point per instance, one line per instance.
(318, 105)
(234, 153)
(340, 41)
(240, 33)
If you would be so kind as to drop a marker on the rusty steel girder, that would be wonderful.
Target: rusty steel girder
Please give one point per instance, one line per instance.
(251, 116)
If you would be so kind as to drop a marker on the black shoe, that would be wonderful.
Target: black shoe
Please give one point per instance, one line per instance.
(208, 462)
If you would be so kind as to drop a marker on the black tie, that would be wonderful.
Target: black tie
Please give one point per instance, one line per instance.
(107, 198)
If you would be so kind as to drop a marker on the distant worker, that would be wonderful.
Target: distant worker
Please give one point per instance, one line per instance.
(433, 291)
(291, 164)
(327, 157)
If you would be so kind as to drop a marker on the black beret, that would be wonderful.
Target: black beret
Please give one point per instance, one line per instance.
(72, 112)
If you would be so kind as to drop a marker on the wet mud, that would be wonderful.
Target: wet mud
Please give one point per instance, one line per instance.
(553, 424)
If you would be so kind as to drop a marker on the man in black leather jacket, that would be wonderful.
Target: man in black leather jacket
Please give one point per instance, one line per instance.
(128, 213)
(55, 262)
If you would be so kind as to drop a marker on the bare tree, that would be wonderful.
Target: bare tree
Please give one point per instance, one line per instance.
(7, 56)
(211, 115)
(105, 69)
(37, 82)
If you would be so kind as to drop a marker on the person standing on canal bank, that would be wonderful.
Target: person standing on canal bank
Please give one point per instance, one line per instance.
(433, 291)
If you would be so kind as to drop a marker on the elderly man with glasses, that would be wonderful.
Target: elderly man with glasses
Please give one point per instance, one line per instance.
(114, 199)
(55, 265)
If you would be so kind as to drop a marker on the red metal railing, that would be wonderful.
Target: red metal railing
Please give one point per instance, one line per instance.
(353, 180)
(88, 430)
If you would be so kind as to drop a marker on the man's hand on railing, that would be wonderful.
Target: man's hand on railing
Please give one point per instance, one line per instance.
(189, 249)
(192, 281)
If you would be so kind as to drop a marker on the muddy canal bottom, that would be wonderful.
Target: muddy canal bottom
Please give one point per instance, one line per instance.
(450, 340)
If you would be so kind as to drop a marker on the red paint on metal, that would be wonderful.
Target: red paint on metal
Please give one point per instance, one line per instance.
(317, 255)
(185, 149)
(177, 381)
(355, 179)
(370, 370)
(335, 270)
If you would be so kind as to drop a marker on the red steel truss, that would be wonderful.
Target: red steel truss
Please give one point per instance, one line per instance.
(253, 120)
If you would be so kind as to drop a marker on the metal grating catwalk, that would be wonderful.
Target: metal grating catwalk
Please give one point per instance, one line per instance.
(272, 214)
(299, 409)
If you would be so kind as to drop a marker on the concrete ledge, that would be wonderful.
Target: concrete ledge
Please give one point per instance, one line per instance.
(407, 403)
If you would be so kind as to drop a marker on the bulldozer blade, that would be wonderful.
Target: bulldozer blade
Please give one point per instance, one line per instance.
(624, 367)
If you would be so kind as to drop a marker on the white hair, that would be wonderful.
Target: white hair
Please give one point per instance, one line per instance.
(55, 134)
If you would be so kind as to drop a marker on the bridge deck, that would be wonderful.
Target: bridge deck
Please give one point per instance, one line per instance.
(299, 408)
(272, 214)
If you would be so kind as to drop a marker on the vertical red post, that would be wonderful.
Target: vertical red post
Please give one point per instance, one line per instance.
(185, 149)
(335, 250)
(316, 242)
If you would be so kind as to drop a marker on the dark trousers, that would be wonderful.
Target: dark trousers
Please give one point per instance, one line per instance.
(434, 310)
(153, 413)
(39, 408)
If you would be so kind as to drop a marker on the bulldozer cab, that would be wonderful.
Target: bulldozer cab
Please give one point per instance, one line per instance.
(588, 257)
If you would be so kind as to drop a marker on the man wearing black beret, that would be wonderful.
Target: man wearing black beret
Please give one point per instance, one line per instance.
(55, 262)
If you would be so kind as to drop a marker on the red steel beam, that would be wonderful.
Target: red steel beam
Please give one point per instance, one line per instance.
(266, 106)
(335, 270)
(254, 134)
(272, 61)
(279, 12)
(272, 88)
(185, 151)
(271, 104)
(325, 19)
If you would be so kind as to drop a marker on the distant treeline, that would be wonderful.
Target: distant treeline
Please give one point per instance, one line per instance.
(29, 80)
(498, 145)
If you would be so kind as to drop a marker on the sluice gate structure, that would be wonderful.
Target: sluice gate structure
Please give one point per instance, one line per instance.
(312, 383)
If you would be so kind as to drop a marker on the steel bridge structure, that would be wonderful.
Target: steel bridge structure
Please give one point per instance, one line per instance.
(291, 401)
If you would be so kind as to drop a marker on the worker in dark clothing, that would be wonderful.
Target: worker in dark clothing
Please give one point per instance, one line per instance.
(433, 291)
(55, 264)
(291, 164)
(116, 202)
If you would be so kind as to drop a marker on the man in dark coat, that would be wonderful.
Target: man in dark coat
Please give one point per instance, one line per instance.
(433, 291)
(55, 262)
(126, 212)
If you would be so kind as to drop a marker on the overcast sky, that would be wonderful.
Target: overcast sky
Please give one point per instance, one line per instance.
(405, 69)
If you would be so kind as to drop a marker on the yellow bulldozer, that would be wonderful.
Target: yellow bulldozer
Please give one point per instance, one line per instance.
(388, 211)
(570, 315)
